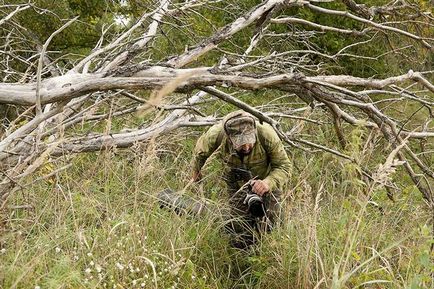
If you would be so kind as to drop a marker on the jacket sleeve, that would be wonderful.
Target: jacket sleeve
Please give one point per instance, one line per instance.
(279, 161)
(206, 145)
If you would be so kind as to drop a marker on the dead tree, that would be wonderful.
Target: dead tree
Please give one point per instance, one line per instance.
(121, 70)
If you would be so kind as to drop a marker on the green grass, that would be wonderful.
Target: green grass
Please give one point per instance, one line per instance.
(98, 225)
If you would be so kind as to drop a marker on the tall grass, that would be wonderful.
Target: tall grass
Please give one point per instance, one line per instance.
(98, 225)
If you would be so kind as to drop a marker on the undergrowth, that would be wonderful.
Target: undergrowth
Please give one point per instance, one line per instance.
(98, 224)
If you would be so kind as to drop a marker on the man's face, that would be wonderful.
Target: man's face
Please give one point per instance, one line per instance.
(244, 149)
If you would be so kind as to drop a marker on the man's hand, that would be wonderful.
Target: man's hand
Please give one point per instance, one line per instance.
(197, 176)
(260, 187)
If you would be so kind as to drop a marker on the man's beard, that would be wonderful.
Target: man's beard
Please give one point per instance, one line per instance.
(243, 153)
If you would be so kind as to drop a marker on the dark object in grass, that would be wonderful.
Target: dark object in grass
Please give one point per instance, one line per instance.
(181, 203)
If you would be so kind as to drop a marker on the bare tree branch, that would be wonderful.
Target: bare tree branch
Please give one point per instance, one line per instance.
(17, 10)
(124, 74)
(371, 23)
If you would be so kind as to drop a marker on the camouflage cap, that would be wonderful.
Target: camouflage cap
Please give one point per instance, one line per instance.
(240, 127)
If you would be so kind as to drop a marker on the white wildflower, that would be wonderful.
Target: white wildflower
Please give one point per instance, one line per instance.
(58, 250)
(120, 266)
(3, 250)
(91, 263)
(88, 270)
(98, 268)
(89, 254)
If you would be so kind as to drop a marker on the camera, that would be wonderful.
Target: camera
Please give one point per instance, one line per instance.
(255, 205)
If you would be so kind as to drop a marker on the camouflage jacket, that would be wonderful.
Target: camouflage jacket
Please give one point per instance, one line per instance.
(267, 161)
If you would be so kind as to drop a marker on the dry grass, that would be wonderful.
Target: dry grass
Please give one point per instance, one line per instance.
(98, 225)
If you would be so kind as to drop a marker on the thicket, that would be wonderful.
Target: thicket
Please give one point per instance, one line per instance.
(98, 224)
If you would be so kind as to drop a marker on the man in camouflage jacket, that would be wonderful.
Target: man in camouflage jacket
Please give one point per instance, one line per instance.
(243, 143)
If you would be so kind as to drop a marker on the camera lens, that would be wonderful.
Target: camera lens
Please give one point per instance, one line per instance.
(255, 205)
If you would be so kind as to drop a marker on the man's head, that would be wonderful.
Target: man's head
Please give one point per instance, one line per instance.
(240, 127)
